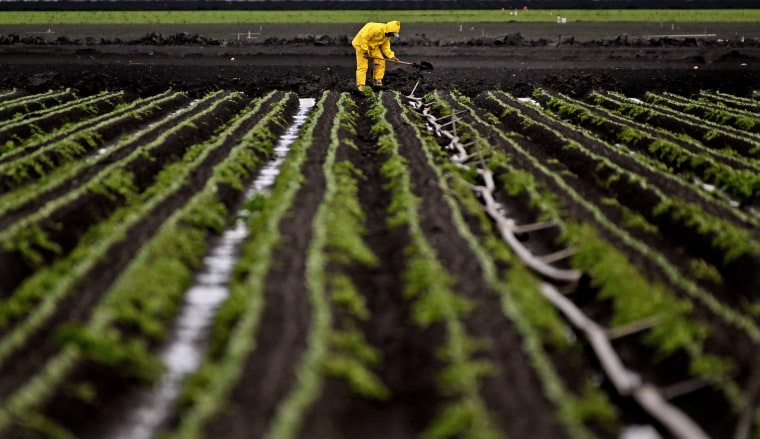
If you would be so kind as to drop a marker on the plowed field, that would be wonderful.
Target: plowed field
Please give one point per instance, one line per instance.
(538, 239)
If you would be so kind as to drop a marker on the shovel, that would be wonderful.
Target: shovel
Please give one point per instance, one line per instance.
(424, 66)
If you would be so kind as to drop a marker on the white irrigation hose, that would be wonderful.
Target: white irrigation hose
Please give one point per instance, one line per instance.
(506, 229)
(625, 381)
(676, 421)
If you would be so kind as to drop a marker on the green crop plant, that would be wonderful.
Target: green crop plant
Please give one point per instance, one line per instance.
(745, 123)
(40, 425)
(8, 146)
(61, 143)
(733, 241)
(109, 180)
(631, 219)
(108, 348)
(736, 177)
(235, 175)
(343, 293)
(118, 186)
(612, 169)
(703, 270)
(30, 124)
(30, 243)
(705, 109)
(635, 297)
(399, 210)
(322, 354)
(351, 358)
(669, 152)
(345, 230)
(635, 112)
(428, 285)
(631, 136)
(711, 133)
(67, 171)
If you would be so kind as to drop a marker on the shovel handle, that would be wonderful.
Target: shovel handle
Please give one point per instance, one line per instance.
(386, 59)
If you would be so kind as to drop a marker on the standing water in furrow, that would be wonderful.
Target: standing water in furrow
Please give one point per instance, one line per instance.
(183, 354)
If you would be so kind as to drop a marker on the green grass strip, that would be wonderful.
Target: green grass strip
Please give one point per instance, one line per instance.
(361, 16)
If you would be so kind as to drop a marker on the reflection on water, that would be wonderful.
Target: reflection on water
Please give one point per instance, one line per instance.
(183, 354)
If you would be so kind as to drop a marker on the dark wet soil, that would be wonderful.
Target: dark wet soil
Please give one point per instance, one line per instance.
(144, 61)
(631, 58)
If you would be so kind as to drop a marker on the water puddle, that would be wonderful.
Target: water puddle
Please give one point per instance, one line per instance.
(184, 353)
(530, 101)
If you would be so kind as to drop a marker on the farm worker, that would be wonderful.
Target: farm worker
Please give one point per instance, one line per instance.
(374, 39)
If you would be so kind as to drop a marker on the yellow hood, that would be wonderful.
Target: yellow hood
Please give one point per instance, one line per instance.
(393, 27)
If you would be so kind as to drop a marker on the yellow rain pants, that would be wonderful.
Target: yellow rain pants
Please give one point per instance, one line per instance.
(371, 40)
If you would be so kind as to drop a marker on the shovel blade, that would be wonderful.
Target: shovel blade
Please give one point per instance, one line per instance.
(424, 66)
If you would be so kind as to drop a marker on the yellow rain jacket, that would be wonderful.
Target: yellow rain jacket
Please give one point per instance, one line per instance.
(372, 36)
(371, 40)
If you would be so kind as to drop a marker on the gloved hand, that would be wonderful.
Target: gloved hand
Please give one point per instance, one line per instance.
(395, 60)
(366, 54)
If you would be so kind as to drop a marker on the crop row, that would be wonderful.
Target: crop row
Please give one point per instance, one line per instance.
(183, 160)
(591, 182)
(437, 266)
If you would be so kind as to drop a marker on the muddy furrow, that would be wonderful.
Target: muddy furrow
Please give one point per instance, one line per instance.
(269, 372)
(513, 394)
(408, 361)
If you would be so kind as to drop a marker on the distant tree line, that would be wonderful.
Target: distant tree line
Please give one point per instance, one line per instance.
(80, 5)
